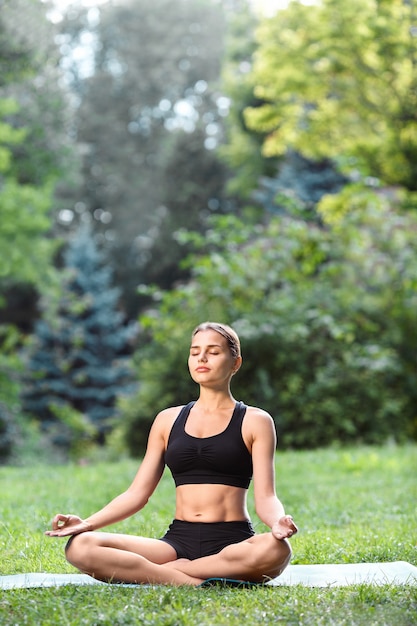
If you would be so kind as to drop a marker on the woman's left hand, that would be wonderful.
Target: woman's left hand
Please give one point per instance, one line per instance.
(284, 528)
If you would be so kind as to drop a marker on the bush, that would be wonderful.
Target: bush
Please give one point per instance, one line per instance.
(7, 433)
(327, 318)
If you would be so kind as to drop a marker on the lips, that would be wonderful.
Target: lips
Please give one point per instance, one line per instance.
(202, 369)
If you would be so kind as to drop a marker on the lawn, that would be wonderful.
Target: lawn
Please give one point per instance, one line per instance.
(352, 505)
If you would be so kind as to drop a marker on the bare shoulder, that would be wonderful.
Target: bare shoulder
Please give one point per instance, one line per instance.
(255, 414)
(257, 422)
(169, 413)
(164, 420)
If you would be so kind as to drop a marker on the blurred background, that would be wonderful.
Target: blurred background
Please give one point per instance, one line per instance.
(168, 162)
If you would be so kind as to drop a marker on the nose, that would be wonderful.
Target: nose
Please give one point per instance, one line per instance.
(202, 357)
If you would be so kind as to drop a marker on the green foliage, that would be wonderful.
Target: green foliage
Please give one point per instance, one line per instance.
(77, 366)
(83, 432)
(327, 319)
(32, 143)
(33, 80)
(7, 432)
(339, 80)
(242, 148)
(8, 134)
(24, 213)
(298, 186)
(149, 118)
(377, 525)
(10, 367)
(26, 250)
(26, 257)
(33, 149)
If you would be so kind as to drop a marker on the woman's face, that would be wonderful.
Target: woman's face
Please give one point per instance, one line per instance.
(210, 361)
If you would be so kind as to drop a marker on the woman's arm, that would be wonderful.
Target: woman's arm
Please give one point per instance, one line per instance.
(269, 507)
(134, 498)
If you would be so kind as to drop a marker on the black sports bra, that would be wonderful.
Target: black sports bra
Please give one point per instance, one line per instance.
(220, 459)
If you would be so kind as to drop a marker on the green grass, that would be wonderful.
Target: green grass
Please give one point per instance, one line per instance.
(352, 505)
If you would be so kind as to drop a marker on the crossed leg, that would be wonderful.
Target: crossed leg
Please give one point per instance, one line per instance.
(257, 559)
(124, 558)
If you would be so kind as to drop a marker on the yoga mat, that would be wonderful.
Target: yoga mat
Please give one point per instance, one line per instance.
(343, 574)
(326, 575)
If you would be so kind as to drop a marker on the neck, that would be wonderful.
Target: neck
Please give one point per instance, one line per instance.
(213, 399)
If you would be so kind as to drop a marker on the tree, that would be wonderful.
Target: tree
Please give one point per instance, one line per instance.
(37, 155)
(78, 366)
(338, 80)
(330, 352)
(270, 182)
(34, 150)
(298, 186)
(242, 147)
(26, 182)
(150, 105)
(29, 162)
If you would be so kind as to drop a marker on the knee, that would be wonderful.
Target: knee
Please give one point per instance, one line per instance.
(275, 556)
(284, 556)
(286, 550)
(77, 550)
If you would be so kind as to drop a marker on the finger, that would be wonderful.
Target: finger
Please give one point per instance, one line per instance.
(59, 520)
(58, 533)
(290, 521)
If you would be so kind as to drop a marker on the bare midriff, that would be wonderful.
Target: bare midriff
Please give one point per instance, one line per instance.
(211, 503)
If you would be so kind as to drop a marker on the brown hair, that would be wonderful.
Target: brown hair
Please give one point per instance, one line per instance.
(226, 331)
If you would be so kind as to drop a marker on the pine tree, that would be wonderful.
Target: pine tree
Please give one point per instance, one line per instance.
(79, 362)
(298, 186)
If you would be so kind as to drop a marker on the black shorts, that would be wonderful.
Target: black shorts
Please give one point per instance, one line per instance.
(192, 540)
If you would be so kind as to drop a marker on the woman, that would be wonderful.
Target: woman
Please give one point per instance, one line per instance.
(212, 447)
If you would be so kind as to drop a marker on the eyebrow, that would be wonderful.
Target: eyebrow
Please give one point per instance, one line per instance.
(212, 345)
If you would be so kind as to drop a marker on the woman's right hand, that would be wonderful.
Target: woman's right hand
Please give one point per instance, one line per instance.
(65, 525)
